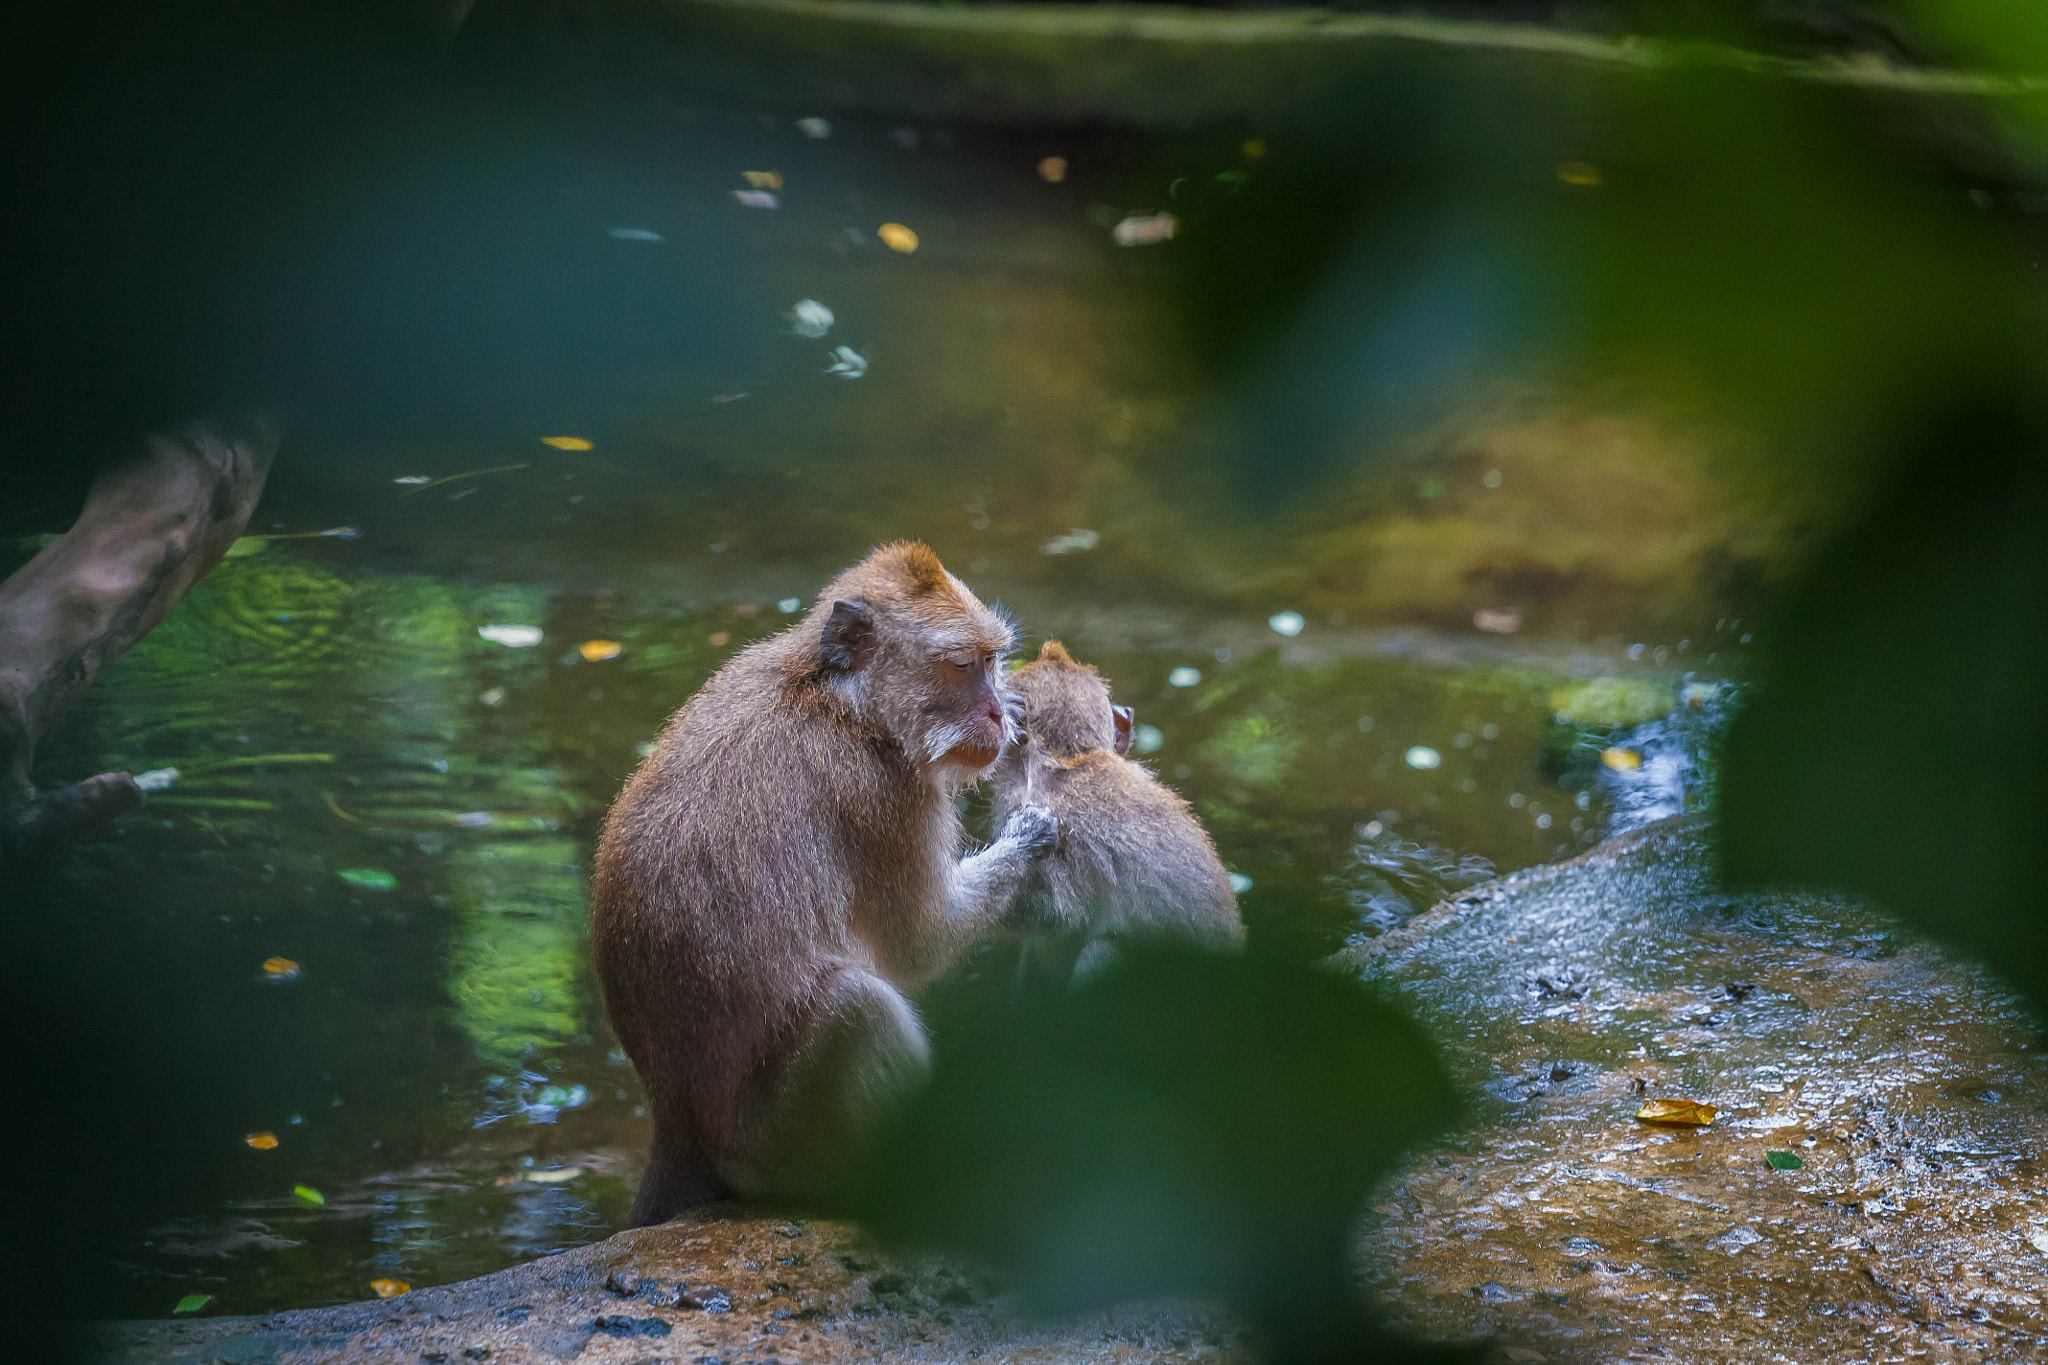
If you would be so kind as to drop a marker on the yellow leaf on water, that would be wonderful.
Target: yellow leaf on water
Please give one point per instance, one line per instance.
(597, 651)
(262, 1142)
(897, 237)
(389, 1289)
(1579, 173)
(1622, 760)
(764, 180)
(1690, 1113)
(280, 968)
(566, 442)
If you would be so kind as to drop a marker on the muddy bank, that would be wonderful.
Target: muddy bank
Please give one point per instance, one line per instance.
(1910, 1090)
(722, 1289)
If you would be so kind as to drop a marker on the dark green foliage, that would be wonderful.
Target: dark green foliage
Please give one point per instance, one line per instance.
(1895, 748)
(1193, 1125)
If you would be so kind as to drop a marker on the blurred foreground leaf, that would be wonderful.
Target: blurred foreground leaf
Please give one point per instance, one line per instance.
(1191, 1125)
(1896, 745)
(192, 1303)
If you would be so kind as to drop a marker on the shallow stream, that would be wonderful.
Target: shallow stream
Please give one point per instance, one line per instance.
(371, 858)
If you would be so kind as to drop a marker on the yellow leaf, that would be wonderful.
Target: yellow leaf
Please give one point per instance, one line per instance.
(764, 180)
(1622, 760)
(1053, 169)
(897, 237)
(565, 442)
(389, 1289)
(597, 651)
(1579, 173)
(280, 968)
(1690, 1113)
(262, 1142)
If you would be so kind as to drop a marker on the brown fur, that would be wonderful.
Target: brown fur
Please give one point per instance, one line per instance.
(783, 869)
(1133, 861)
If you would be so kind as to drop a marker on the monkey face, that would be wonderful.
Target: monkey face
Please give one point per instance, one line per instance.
(967, 685)
(912, 648)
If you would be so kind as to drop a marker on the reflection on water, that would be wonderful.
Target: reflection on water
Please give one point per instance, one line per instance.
(403, 806)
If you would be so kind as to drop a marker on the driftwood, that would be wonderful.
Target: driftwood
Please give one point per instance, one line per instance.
(153, 523)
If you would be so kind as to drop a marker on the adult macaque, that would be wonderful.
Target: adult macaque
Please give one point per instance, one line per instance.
(783, 871)
(1132, 861)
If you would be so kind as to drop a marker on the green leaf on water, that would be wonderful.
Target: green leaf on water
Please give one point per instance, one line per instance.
(1783, 1161)
(368, 878)
(308, 1196)
(192, 1303)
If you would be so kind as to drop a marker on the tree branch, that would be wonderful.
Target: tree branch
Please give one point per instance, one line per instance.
(152, 525)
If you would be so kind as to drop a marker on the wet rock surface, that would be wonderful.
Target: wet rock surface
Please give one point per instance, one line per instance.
(728, 1288)
(1910, 1088)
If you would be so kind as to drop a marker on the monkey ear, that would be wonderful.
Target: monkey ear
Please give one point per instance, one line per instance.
(1124, 716)
(849, 639)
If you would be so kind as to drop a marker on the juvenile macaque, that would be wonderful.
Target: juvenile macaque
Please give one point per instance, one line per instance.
(1132, 860)
(783, 871)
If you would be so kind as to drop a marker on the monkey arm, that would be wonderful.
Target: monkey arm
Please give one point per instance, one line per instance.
(980, 888)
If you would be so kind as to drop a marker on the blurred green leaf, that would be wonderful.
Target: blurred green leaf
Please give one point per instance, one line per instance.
(192, 1303)
(1783, 1161)
(1895, 745)
(368, 878)
(308, 1196)
(1191, 1125)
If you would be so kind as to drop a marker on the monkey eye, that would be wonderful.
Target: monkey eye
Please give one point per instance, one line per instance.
(962, 659)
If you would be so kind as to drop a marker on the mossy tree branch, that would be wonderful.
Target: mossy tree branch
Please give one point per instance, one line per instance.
(153, 524)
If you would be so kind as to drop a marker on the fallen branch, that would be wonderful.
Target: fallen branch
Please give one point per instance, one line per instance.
(152, 525)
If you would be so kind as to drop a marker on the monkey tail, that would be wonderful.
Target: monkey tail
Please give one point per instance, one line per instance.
(676, 1181)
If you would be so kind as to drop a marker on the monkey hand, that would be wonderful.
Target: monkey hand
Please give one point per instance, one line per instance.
(1035, 829)
(1014, 732)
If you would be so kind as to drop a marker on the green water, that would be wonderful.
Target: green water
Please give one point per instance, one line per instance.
(405, 808)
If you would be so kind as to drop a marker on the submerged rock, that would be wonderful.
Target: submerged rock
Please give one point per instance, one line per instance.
(724, 1287)
(1560, 1222)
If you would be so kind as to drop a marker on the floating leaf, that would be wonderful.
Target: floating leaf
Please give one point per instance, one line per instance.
(262, 1142)
(897, 237)
(192, 1303)
(847, 363)
(1783, 1161)
(368, 878)
(1622, 760)
(1690, 1113)
(597, 651)
(1147, 229)
(390, 1289)
(809, 318)
(555, 1177)
(308, 1196)
(566, 442)
(280, 968)
(763, 180)
(247, 545)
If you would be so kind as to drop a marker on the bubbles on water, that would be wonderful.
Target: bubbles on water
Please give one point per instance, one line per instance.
(1422, 757)
(809, 318)
(1184, 677)
(1147, 739)
(1288, 623)
(788, 605)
